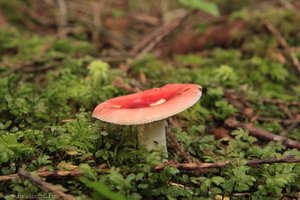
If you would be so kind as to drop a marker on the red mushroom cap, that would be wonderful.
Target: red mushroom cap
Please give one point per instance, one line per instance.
(149, 105)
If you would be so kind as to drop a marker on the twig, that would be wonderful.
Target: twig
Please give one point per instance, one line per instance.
(283, 121)
(2, 18)
(287, 5)
(97, 9)
(62, 18)
(293, 126)
(150, 41)
(292, 116)
(118, 82)
(278, 101)
(43, 172)
(38, 18)
(240, 102)
(8, 177)
(47, 187)
(59, 173)
(221, 133)
(284, 44)
(204, 166)
(191, 166)
(176, 145)
(286, 110)
(292, 123)
(262, 134)
(287, 159)
(145, 18)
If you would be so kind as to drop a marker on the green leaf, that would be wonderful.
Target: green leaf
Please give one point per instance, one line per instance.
(171, 170)
(102, 190)
(139, 176)
(201, 5)
(217, 180)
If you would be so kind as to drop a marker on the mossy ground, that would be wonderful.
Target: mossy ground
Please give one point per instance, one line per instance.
(49, 88)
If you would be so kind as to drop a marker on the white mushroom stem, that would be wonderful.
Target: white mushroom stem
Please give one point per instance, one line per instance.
(153, 134)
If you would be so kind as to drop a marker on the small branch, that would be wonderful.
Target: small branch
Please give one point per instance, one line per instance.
(293, 126)
(287, 159)
(147, 44)
(204, 166)
(287, 5)
(47, 187)
(278, 101)
(177, 146)
(62, 18)
(286, 110)
(191, 166)
(221, 133)
(283, 121)
(8, 177)
(2, 18)
(97, 10)
(58, 173)
(240, 102)
(145, 18)
(118, 82)
(262, 134)
(284, 44)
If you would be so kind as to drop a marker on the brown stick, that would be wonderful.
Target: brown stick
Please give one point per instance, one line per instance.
(286, 111)
(262, 134)
(293, 126)
(191, 166)
(43, 172)
(2, 19)
(47, 187)
(204, 166)
(287, 159)
(118, 82)
(278, 101)
(283, 121)
(8, 177)
(151, 40)
(181, 166)
(284, 44)
(287, 5)
(62, 18)
(59, 173)
(177, 146)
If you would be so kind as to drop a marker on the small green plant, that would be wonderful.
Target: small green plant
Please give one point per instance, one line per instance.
(203, 5)
(11, 148)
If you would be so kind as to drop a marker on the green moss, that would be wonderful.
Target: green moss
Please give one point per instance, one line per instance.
(49, 88)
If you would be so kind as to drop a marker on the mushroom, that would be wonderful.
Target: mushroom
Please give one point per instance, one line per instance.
(149, 110)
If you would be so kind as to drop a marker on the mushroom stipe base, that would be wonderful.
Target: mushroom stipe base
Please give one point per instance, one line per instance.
(153, 135)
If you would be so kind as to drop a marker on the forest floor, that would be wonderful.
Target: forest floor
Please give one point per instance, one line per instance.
(240, 141)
